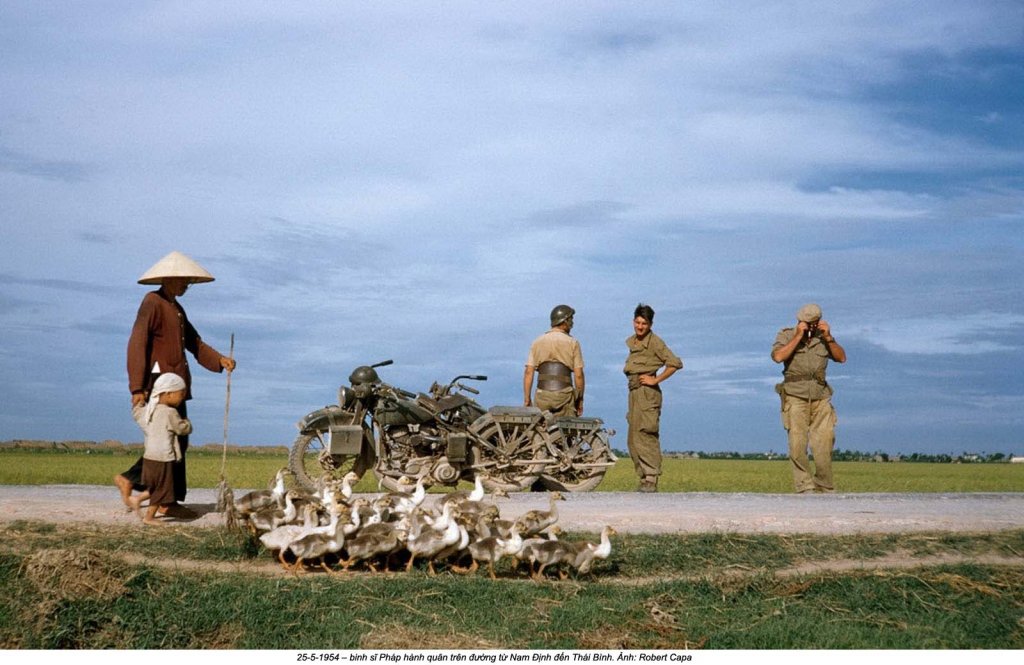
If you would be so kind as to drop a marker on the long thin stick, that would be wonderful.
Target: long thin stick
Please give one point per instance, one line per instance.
(227, 407)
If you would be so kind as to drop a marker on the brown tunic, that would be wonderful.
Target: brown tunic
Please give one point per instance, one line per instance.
(159, 339)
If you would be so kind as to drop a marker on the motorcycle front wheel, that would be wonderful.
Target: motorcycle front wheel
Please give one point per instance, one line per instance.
(310, 460)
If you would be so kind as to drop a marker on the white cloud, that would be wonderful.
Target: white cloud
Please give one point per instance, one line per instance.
(967, 334)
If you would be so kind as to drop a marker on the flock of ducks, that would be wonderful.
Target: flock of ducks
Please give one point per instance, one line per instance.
(461, 530)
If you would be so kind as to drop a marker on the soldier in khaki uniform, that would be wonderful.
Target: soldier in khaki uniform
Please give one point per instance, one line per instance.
(557, 357)
(647, 354)
(807, 412)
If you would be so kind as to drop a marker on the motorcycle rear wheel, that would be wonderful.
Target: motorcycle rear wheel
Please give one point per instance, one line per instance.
(505, 456)
(310, 458)
(574, 450)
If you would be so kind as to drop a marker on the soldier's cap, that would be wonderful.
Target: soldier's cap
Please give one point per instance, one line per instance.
(808, 313)
(176, 264)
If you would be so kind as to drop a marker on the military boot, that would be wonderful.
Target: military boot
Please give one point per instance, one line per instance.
(648, 484)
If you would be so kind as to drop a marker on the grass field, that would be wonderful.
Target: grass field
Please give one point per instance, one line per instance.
(100, 587)
(255, 468)
(93, 587)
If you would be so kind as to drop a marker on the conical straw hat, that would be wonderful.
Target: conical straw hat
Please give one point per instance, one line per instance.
(176, 264)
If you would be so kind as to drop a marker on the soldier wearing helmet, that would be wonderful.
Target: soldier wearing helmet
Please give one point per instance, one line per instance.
(807, 412)
(557, 358)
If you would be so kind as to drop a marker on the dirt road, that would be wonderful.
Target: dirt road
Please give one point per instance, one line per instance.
(627, 512)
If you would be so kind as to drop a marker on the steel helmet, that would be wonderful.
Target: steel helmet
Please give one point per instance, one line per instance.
(560, 314)
(364, 374)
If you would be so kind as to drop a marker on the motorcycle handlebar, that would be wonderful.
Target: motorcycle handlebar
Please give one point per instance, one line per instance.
(471, 377)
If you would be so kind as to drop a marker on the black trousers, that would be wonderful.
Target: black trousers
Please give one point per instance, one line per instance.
(134, 474)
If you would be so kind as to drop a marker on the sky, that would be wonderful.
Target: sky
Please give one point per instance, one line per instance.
(423, 182)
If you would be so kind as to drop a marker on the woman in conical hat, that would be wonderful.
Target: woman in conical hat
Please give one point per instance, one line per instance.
(157, 345)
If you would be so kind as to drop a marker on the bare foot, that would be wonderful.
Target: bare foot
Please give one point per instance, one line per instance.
(152, 521)
(124, 486)
(135, 505)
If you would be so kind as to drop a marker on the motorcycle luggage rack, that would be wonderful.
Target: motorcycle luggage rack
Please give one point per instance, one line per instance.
(579, 424)
(515, 415)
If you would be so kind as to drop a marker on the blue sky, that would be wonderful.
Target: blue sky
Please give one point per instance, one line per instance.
(425, 181)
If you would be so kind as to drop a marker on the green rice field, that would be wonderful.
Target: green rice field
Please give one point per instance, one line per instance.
(255, 467)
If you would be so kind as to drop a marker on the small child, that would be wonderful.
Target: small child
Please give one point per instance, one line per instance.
(162, 425)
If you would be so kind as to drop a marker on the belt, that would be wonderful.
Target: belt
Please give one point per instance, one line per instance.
(634, 379)
(786, 378)
(553, 376)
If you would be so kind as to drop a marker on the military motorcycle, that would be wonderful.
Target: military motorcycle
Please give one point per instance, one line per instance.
(444, 436)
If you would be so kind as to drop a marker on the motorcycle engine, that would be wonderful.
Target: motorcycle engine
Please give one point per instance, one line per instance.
(411, 447)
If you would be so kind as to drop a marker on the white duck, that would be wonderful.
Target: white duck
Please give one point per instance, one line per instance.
(347, 481)
(258, 499)
(425, 541)
(527, 554)
(273, 516)
(277, 540)
(588, 552)
(398, 502)
(493, 548)
(383, 538)
(459, 496)
(456, 548)
(551, 553)
(320, 541)
(533, 522)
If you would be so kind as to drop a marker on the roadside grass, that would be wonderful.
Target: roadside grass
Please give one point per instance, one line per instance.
(717, 591)
(636, 555)
(255, 468)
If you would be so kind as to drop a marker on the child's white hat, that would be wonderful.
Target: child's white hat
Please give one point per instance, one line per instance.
(165, 383)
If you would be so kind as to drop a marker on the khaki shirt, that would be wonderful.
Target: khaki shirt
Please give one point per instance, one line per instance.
(556, 345)
(804, 372)
(648, 355)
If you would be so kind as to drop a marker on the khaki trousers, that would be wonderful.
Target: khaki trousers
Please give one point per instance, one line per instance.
(559, 402)
(644, 418)
(810, 423)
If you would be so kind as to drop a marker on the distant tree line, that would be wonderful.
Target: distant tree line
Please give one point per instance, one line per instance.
(843, 456)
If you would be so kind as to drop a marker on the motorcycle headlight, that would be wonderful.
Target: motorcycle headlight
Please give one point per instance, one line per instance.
(345, 396)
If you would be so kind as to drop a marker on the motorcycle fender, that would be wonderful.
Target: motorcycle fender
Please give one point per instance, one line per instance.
(345, 439)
